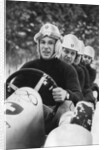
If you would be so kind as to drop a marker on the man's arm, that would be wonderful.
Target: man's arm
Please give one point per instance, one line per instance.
(73, 85)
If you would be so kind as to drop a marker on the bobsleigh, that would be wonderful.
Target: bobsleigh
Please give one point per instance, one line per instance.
(24, 116)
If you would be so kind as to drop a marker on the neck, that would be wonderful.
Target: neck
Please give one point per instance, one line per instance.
(48, 60)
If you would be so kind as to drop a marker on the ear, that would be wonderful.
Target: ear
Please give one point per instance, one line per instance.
(38, 49)
(58, 48)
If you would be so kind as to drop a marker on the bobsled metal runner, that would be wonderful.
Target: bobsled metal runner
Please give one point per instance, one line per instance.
(43, 98)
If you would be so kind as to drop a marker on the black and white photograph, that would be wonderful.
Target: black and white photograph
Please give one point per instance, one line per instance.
(51, 64)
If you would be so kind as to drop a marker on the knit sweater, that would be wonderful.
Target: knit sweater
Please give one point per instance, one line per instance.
(87, 92)
(81, 75)
(92, 74)
(64, 75)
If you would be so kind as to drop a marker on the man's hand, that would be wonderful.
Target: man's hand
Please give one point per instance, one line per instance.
(59, 94)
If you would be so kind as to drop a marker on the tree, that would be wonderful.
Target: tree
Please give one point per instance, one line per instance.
(24, 19)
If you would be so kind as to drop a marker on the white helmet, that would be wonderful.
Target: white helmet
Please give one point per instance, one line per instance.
(70, 41)
(49, 30)
(81, 47)
(89, 51)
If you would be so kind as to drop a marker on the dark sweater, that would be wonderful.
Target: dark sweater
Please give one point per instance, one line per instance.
(64, 75)
(81, 75)
(87, 92)
(92, 74)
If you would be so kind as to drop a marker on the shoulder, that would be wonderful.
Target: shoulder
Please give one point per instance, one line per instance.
(92, 70)
(80, 69)
(84, 68)
(66, 66)
(30, 64)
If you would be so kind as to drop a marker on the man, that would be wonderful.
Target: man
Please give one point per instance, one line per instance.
(87, 59)
(87, 92)
(65, 75)
(70, 53)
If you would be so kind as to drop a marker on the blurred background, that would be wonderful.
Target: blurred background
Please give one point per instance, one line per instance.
(24, 18)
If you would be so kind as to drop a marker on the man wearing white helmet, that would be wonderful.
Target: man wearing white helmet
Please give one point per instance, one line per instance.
(88, 58)
(71, 54)
(86, 90)
(48, 40)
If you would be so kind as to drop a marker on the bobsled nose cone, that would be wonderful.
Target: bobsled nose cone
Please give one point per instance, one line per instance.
(24, 120)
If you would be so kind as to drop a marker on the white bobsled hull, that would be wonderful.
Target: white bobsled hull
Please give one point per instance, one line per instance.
(24, 119)
(68, 135)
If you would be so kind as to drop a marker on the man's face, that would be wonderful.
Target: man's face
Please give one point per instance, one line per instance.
(68, 55)
(47, 47)
(87, 59)
(77, 61)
